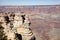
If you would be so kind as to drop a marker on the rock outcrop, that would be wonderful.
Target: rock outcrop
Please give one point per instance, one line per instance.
(16, 26)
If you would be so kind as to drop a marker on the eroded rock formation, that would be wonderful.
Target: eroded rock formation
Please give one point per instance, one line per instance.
(16, 26)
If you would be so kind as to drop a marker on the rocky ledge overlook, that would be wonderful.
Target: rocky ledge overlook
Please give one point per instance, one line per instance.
(15, 26)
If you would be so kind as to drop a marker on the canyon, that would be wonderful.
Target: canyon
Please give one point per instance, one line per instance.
(45, 19)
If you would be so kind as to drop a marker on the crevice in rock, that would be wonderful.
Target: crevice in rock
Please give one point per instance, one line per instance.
(23, 18)
(19, 36)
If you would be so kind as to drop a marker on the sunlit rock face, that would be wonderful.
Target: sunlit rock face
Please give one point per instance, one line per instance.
(15, 27)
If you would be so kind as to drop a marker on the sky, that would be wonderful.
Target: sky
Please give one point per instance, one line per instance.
(29, 2)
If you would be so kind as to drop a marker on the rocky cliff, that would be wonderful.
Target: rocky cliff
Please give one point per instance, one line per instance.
(15, 27)
(45, 19)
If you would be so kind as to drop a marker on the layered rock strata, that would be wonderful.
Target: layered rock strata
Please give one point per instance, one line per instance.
(16, 26)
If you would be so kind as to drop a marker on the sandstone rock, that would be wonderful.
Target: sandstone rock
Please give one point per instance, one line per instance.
(16, 23)
(2, 28)
(11, 35)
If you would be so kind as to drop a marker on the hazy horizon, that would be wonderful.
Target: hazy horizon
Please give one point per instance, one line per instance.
(29, 2)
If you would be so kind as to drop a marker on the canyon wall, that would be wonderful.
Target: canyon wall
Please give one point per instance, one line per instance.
(45, 19)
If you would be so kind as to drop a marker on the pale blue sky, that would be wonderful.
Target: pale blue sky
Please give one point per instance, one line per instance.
(29, 2)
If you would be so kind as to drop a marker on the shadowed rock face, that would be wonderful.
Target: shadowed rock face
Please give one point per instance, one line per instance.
(45, 20)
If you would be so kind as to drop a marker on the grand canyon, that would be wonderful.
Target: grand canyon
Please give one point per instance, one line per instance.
(45, 19)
